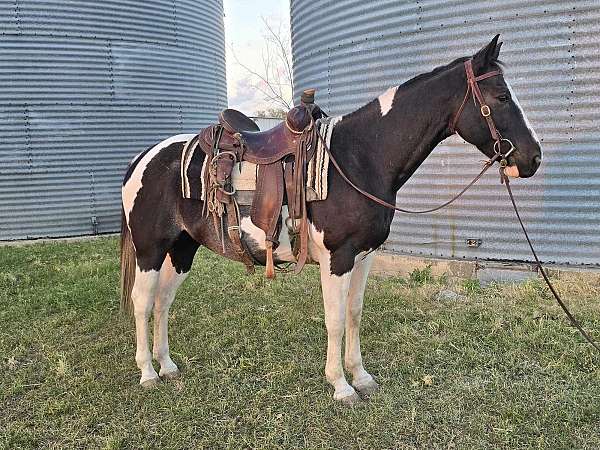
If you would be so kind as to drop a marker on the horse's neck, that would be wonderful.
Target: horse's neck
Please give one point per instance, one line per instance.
(392, 144)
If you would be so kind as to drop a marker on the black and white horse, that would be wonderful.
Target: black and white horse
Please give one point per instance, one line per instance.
(379, 147)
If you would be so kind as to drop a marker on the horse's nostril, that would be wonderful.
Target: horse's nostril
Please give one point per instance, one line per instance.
(537, 160)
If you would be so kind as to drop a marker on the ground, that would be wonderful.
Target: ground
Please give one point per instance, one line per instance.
(497, 368)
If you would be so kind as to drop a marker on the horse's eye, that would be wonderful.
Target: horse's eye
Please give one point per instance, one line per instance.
(504, 98)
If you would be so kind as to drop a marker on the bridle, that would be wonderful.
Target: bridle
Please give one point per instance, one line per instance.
(499, 155)
(484, 109)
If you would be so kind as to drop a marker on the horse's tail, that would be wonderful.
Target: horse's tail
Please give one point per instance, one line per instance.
(127, 265)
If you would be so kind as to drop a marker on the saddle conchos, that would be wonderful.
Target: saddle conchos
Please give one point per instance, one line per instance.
(280, 156)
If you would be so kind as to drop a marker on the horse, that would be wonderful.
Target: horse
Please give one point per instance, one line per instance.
(379, 146)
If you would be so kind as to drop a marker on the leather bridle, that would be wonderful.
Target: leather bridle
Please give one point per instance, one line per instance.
(484, 109)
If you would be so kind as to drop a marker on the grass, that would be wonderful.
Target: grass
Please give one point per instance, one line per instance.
(499, 368)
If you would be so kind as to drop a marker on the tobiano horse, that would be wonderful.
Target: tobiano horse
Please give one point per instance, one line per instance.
(378, 146)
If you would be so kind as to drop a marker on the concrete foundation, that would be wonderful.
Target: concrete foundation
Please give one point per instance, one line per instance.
(387, 263)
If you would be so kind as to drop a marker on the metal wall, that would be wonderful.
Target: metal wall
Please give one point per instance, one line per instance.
(351, 51)
(87, 85)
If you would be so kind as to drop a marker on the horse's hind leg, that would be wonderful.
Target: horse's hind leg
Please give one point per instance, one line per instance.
(169, 281)
(142, 297)
(173, 272)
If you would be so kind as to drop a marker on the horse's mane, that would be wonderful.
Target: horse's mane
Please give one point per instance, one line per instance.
(437, 70)
(426, 76)
(434, 72)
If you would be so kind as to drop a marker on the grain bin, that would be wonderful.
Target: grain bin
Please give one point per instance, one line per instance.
(87, 85)
(352, 51)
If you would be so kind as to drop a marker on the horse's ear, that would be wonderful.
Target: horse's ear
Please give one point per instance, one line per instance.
(497, 52)
(487, 54)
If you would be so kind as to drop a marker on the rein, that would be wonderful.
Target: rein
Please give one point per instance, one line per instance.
(486, 113)
(572, 319)
(381, 202)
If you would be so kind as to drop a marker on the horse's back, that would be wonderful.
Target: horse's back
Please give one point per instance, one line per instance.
(153, 169)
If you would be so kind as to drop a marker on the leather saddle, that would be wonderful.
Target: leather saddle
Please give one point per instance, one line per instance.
(242, 135)
(281, 154)
(235, 121)
(266, 147)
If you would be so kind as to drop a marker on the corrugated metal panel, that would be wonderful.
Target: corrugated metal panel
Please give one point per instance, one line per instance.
(351, 51)
(85, 87)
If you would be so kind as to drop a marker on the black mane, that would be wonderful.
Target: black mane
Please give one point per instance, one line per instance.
(434, 72)
(440, 69)
(424, 77)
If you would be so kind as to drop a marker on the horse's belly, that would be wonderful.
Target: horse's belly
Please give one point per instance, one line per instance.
(254, 238)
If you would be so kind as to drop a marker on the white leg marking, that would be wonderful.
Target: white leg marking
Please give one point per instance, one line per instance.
(386, 100)
(169, 282)
(133, 185)
(527, 123)
(142, 295)
(352, 356)
(335, 290)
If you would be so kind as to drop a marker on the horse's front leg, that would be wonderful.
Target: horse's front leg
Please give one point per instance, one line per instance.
(361, 379)
(335, 292)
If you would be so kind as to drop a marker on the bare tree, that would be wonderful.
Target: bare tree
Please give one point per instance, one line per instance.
(271, 112)
(274, 80)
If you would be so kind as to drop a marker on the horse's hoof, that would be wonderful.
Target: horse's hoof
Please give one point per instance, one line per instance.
(173, 375)
(350, 400)
(367, 389)
(151, 383)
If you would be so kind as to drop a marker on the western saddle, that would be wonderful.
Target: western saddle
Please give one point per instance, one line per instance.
(281, 155)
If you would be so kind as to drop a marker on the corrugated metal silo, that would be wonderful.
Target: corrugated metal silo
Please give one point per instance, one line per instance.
(86, 86)
(352, 51)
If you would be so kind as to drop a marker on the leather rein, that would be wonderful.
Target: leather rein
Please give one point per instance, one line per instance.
(499, 155)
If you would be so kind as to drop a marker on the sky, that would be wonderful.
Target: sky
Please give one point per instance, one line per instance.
(244, 29)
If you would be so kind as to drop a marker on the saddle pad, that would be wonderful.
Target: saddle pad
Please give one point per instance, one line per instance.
(243, 180)
(243, 176)
(318, 166)
(191, 168)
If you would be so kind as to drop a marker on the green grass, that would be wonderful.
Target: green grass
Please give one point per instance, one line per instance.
(499, 369)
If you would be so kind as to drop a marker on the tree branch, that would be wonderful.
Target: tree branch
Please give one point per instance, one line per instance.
(275, 80)
(274, 96)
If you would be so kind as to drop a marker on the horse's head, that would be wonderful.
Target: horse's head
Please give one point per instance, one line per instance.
(506, 115)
